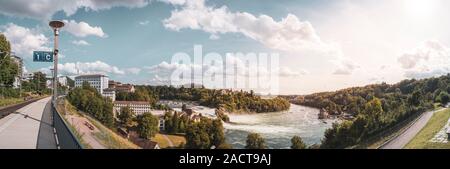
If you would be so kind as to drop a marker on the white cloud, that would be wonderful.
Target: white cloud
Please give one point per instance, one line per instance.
(83, 29)
(44, 9)
(431, 58)
(157, 80)
(86, 68)
(289, 34)
(144, 22)
(108, 4)
(80, 43)
(214, 37)
(344, 66)
(174, 2)
(165, 69)
(287, 72)
(133, 70)
(24, 40)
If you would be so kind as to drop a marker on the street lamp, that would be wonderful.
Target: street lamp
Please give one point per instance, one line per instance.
(55, 25)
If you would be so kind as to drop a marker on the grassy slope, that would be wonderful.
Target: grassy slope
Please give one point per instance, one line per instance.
(10, 101)
(106, 136)
(163, 143)
(177, 140)
(436, 123)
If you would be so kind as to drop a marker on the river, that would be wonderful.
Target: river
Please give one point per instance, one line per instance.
(277, 128)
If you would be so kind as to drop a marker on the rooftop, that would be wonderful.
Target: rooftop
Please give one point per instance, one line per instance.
(109, 89)
(131, 102)
(91, 75)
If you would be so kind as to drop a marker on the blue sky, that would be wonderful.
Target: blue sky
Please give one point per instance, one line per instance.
(323, 45)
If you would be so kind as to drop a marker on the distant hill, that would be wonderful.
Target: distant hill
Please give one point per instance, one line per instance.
(375, 107)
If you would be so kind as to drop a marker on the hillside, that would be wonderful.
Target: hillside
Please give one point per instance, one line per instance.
(376, 107)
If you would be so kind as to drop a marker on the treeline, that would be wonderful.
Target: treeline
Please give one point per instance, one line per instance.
(88, 100)
(256, 141)
(38, 84)
(140, 94)
(10, 70)
(229, 100)
(376, 107)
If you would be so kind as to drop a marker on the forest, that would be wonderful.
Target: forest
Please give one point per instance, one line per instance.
(376, 107)
(229, 100)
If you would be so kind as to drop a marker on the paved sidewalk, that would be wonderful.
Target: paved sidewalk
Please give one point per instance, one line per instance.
(28, 128)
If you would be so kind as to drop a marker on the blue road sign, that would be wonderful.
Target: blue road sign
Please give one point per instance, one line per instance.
(42, 56)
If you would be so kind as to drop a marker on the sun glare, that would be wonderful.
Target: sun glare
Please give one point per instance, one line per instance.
(420, 9)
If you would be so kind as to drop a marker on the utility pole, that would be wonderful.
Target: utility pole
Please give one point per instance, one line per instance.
(55, 25)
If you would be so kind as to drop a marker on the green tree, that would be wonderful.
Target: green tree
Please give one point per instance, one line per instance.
(39, 82)
(297, 143)
(205, 134)
(414, 99)
(217, 134)
(8, 68)
(147, 125)
(443, 98)
(175, 123)
(374, 112)
(126, 116)
(197, 136)
(8, 71)
(5, 46)
(255, 141)
(70, 82)
(168, 121)
(106, 112)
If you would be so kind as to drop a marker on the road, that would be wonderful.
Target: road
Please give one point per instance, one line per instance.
(29, 127)
(88, 135)
(406, 136)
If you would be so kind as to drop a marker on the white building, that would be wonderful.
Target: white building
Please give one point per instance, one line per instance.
(98, 81)
(110, 93)
(62, 80)
(27, 76)
(139, 108)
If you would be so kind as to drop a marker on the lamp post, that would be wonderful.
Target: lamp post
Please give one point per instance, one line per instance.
(55, 25)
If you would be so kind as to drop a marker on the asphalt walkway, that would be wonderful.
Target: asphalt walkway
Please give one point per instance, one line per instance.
(29, 127)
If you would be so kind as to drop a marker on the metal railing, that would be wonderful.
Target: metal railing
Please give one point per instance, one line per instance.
(65, 138)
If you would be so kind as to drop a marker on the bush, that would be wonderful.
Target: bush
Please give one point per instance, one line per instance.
(147, 125)
(87, 99)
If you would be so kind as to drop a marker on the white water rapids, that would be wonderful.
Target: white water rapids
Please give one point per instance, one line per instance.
(277, 128)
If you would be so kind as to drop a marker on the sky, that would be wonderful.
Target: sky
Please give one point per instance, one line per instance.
(323, 45)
